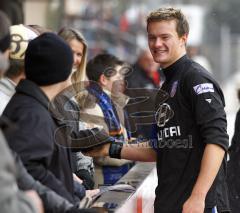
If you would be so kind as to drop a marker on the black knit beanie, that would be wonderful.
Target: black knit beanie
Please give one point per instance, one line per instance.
(48, 60)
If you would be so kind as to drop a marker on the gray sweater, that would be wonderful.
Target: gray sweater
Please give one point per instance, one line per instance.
(11, 198)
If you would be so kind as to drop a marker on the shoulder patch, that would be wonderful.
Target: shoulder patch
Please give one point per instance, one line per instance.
(203, 88)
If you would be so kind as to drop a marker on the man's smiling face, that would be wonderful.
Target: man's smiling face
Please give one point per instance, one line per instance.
(164, 43)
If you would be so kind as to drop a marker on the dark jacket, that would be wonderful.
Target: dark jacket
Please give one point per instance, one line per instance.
(35, 142)
(11, 199)
(233, 177)
(66, 112)
(53, 203)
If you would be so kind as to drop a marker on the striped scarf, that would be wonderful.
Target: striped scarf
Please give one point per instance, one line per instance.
(109, 111)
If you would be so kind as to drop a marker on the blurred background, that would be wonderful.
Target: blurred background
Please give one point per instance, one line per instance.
(118, 26)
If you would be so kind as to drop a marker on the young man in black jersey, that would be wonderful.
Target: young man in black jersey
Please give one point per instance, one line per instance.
(191, 125)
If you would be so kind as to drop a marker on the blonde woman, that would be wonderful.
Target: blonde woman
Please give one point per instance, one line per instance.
(79, 47)
(83, 165)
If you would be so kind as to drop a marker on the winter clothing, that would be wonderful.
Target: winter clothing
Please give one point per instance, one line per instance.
(42, 64)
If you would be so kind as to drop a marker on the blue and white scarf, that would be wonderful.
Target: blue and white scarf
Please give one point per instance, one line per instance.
(109, 111)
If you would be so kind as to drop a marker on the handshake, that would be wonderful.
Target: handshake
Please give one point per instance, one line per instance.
(93, 142)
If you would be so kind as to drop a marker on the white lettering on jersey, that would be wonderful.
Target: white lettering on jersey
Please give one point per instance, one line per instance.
(203, 88)
(169, 132)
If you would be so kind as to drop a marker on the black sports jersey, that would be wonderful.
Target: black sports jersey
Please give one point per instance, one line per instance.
(191, 117)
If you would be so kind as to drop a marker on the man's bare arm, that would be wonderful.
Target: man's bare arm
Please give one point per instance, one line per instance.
(138, 152)
(211, 162)
(135, 152)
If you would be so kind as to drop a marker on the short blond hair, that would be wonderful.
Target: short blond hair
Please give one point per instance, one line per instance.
(168, 14)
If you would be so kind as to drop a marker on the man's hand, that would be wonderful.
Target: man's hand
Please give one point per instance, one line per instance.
(99, 151)
(194, 204)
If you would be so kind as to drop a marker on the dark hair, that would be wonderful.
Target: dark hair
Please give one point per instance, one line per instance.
(15, 69)
(4, 25)
(100, 64)
(238, 94)
(168, 14)
(4, 32)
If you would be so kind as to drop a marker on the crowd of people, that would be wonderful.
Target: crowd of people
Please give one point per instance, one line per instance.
(70, 125)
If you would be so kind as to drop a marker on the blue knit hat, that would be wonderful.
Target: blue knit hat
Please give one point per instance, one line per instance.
(48, 60)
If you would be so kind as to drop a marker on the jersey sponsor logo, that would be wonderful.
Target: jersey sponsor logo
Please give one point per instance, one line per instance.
(174, 88)
(163, 114)
(169, 132)
(203, 88)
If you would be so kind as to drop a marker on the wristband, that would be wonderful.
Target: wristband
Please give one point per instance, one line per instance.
(115, 150)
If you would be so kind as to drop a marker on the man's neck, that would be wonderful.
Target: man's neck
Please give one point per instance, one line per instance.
(52, 91)
(17, 79)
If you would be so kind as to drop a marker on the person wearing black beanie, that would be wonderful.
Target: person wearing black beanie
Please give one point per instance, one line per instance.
(48, 60)
(48, 65)
(13, 171)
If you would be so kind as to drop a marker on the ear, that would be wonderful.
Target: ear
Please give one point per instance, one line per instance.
(22, 74)
(103, 80)
(184, 39)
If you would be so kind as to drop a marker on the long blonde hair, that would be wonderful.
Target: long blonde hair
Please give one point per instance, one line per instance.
(79, 76)
(68, 34)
